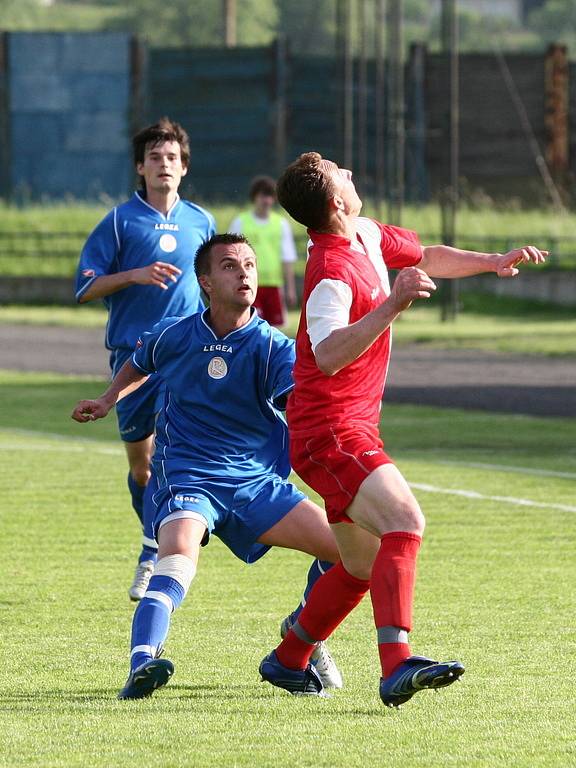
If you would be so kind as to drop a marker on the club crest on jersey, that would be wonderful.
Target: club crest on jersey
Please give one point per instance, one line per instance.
(168, 243)
(217, 368)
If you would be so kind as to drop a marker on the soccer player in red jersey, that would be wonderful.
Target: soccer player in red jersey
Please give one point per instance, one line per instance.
(342, 355)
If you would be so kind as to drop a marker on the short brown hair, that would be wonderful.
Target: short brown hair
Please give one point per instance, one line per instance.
(159, 133)
(262, 185)
(202, 263)
(304, 190)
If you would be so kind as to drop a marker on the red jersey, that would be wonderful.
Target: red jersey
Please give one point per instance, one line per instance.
(343, 282)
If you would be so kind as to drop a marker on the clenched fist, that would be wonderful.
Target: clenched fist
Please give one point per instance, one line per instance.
(158, 273)
(411, 283)
(90, 410)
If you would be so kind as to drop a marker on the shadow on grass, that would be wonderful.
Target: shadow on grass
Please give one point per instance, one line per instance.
(33, 700)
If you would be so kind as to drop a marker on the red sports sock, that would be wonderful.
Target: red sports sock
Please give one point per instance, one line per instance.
(332, 598)
(392, 592)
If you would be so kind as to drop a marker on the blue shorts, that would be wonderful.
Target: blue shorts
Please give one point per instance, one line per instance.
(136, 413)
(238, 513)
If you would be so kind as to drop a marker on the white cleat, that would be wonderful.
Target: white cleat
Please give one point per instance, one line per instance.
(322, 660)
(326, 667)
(144, 571)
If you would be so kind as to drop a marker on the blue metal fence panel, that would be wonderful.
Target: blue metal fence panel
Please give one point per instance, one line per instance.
(224, 99)
(313, 104)
(68, 104)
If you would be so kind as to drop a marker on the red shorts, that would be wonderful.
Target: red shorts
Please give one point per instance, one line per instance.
(270, 305)
(335, 463)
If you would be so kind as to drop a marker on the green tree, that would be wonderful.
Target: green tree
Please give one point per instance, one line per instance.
(20, 14)
(310, 27)
(555, 22)
(185, 23)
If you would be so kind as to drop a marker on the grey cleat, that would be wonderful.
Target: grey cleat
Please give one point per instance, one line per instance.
(321, 659)
(142, 576)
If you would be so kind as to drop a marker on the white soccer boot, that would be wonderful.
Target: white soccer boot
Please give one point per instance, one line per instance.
(322, 660)
(142, 576)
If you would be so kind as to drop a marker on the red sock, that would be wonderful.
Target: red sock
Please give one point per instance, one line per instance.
(392, 592)
(332, 598)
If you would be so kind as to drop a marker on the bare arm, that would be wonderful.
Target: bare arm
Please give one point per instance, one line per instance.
(444, 261)
(344, 345)
(157, 274)
(128, 379)
(289, 283)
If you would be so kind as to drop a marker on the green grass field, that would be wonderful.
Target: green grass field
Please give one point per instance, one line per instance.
(487, 323)
(495, 589)
(55, 233)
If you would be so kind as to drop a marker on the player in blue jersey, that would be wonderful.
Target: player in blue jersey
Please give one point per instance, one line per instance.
(140, 261)
(221, 453)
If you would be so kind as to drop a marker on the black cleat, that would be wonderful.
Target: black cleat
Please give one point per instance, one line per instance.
(415, 674)
(303, 682)
(146, 678)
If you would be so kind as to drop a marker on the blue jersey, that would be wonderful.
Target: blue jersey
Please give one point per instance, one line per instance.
(134, 235)
(221, 417)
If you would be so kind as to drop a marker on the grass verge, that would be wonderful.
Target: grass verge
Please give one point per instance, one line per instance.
(492, 590)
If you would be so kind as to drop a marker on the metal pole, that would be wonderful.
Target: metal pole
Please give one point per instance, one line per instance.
(449, 200)
(280, 133)
(396, 110)
(348, 86)
(363, 97)
(229, 25)
(380, 158)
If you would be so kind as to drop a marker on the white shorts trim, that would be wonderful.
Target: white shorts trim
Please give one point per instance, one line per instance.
(183, 514)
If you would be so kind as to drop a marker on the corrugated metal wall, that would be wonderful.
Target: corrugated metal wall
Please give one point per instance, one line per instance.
(493, 144)
(67, 105)
(225, 100)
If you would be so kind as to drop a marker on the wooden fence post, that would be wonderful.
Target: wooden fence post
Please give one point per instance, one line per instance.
(556, 74)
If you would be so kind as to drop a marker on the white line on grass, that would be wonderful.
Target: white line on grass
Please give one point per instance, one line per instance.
(43, 448)
(88, 445)
(68, 443)
(508, 468)
(484, 497)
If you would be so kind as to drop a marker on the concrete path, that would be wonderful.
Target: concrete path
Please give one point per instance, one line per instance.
(455, 378)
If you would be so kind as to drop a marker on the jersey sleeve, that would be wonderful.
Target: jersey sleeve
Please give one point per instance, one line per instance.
(289, 254)
(327, 308)
(100, 254)
(211, 226)
(145, 356)
(235, 226)
(279, 381)
(400, 247)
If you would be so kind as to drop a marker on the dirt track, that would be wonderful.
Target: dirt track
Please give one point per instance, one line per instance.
(456, 378)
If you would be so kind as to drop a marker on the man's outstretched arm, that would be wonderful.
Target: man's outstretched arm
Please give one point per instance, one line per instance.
(128, 379)
(158, 274)
(444, 261)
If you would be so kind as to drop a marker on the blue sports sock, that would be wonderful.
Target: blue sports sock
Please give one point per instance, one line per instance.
(148, 554)
(137, 494)
(149, 545)
(317, 568)
(151, 620)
